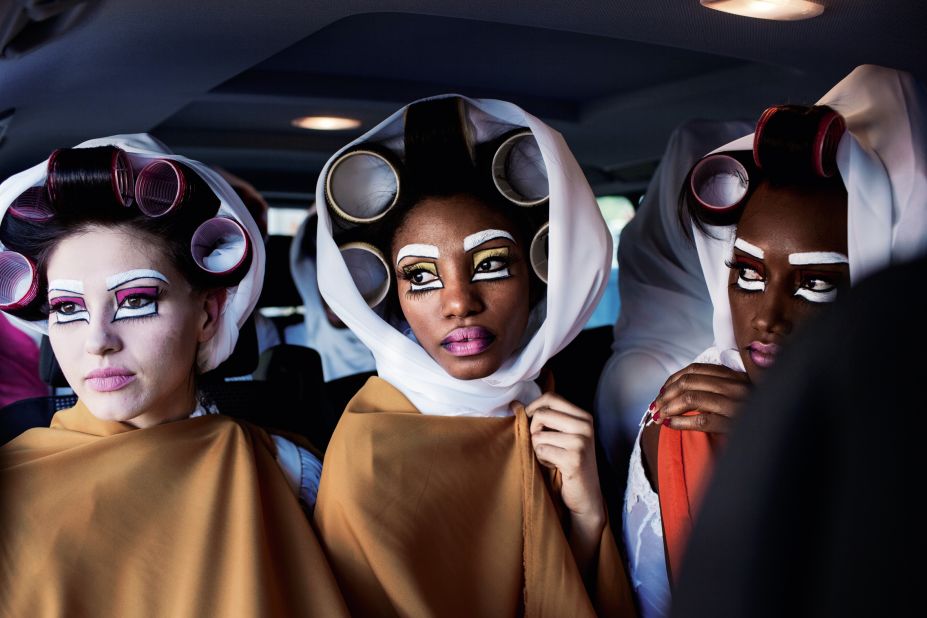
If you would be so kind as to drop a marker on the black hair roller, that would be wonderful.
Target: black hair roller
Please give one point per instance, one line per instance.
(89, 178)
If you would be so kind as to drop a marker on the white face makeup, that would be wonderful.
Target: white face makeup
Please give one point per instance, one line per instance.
(749, 249)
(818, 257)
(118, 279)
(66, 302)
(475, 240)
(418, 250)
(813, 288)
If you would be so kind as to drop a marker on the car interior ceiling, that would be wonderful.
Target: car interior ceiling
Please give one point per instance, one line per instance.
(222, 83)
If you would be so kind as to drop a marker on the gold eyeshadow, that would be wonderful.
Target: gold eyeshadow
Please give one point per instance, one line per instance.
(485, 254)
(411, 269)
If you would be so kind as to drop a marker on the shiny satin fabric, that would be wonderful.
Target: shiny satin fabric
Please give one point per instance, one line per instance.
(450, 516)
(189, 518)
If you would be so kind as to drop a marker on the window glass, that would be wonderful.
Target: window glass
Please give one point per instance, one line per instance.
(617, 210)
(285, 221)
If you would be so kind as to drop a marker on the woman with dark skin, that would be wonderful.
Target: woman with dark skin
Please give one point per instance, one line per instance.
(453, 485)
(788, 260)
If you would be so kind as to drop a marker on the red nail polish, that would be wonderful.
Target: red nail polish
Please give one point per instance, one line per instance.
(656, 417)
(666, 423)
(652, 404)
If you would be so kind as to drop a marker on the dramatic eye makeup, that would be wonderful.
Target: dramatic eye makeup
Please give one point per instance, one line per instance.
(65, 301)
(422, 276)
(136, 302)
(816, 287)
(473, 241)
(751, 275)
(490, 264)
(114, 281)
(417, 250)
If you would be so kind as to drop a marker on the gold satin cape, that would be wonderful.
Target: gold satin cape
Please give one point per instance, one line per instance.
(190, 518)
(450, 516)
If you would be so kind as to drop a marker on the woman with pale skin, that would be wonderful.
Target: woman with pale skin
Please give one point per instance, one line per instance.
(453, 485)
(784, 220)
(142, 499)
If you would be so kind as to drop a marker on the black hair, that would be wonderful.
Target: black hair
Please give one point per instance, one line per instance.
(84, 190)
(788, 142)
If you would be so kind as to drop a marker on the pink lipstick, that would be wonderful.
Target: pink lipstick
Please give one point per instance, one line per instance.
(763, 354)
(109, 379)
(468, 341)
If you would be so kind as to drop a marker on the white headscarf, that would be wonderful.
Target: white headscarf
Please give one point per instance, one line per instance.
(883, 164)
(241, 299)
(341, 351)
(665, 318)
(580, 259)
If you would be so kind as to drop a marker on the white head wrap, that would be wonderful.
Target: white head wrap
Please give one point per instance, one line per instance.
(883, 164)
(241, 298)
(665, 318)
(341, 351)
(580, 258)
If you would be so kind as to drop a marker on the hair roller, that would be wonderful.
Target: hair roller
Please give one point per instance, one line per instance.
(19, 281)
(32, 205)
(166, 187)
(89, 178)
(369, 270)
(221, 248)
(794, 141)
(518, 169)
(539, 251)
(363, 184)
(719, 183)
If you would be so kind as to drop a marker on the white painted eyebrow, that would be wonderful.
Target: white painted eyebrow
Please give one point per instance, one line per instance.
(746, 247)
(425, 251)
(118, 279)
(818, 257)
(74, 286)
(475, 240)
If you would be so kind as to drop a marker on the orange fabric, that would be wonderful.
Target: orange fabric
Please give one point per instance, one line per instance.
(190, 518)
(685, 460)
(449, 516)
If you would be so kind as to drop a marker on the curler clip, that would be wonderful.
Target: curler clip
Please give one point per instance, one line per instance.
(18, 281)
(719, 182)
(220, 246)
(518, 169)
(369, 270)
(539, 251)
(362, 185)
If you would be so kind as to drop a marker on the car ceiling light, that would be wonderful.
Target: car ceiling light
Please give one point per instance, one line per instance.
(326, 123)
(783, 10)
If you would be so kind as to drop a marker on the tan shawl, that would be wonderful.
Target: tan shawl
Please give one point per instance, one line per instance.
(190, 518)
(450, 516)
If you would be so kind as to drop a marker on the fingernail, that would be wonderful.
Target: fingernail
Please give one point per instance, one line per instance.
(656, 417)
(653, 404)
(666, 423)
